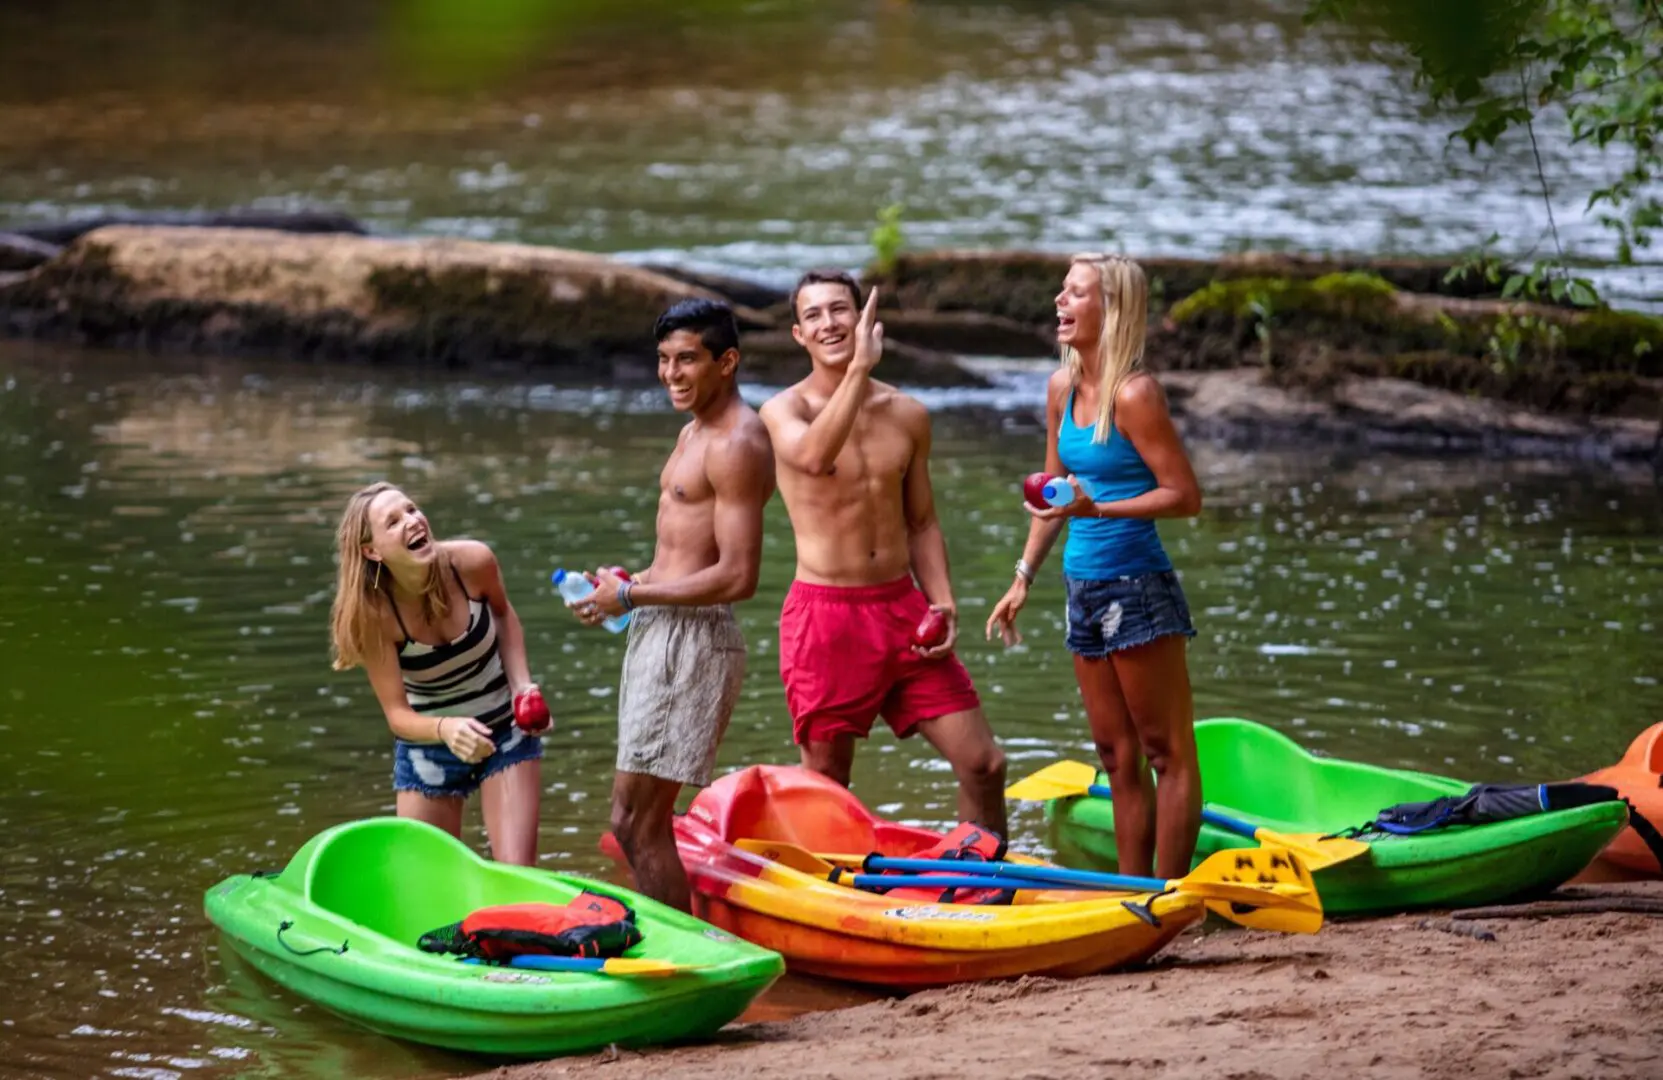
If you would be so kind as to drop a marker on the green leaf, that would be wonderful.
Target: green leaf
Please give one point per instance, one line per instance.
(1514, 284)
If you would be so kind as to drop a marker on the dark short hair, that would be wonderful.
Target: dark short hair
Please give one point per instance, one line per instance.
(711, 319)
(825, 277)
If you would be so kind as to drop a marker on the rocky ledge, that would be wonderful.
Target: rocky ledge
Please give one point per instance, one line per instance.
(1400, 353)
(437, 301)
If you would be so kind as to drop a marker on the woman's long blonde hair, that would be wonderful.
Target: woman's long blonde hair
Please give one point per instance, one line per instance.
(1125, 294)
(362, 586)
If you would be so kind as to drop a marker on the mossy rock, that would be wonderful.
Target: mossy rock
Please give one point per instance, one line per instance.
(1022, 285)
(436, 301)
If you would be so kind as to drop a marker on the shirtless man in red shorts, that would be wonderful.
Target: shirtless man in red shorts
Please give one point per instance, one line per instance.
(852, 462)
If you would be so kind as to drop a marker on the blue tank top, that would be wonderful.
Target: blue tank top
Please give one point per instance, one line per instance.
(1099, 549)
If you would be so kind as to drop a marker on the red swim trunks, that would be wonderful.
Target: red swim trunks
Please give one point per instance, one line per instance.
(846, 658)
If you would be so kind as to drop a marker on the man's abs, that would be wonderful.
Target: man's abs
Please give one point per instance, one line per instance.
(847, 533)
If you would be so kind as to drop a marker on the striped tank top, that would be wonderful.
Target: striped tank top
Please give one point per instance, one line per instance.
(463, 677)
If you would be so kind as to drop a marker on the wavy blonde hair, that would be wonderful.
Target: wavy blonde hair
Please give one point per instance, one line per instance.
(1125, 294)
(362, 587)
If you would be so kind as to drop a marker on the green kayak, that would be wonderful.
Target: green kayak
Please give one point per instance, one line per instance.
(376, 886)
(1261, 776)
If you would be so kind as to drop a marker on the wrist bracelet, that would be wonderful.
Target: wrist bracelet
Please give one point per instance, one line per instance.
(1024, 571)
(623, 595)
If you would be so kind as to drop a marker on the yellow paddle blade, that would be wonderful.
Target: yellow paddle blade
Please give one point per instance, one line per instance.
(1264, 888)
(1316, 851)
(1058, 781)
(787, 855)
(623, 965)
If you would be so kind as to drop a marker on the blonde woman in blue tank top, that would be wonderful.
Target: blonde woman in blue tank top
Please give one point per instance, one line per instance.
(1128, 622)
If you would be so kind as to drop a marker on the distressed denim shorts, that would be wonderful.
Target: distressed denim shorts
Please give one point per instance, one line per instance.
(433, 770)
(1123, 613)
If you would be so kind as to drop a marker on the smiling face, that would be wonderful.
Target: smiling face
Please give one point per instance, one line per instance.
(693, 377)
(1080, 308)
(827, 312)
(399, 534)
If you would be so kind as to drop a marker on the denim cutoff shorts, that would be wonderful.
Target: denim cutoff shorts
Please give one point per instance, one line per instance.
(1123, 613)
(433, 770)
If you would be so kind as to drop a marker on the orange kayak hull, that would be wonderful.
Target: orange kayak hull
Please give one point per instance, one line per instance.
(838, 932)
(1638, 777)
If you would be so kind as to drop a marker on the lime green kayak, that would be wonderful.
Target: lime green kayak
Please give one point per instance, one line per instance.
(339, 926)
(1261, 776)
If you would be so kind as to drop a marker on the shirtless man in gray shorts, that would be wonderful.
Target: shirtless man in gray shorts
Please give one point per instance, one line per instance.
(686, 659)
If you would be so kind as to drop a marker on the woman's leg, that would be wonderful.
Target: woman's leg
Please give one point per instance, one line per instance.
(445, 811)
(1154, 682)
(1117, 747)
(510, 798)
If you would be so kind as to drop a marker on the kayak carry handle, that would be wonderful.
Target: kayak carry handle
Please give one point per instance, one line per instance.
(289, 925)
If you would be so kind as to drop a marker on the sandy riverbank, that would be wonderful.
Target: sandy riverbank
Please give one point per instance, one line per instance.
(1576, 996)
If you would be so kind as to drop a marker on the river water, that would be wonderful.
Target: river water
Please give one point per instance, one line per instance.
(168, 716)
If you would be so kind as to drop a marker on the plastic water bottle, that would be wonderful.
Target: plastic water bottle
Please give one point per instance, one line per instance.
(1059, 492)
(575, 587)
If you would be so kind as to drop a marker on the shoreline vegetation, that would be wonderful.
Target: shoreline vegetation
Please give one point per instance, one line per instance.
(1408, 354)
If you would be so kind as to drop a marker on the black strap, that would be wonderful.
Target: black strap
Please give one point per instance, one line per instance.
(1647, 831)
(287, 925)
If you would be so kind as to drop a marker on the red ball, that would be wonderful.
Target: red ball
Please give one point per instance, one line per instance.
(932, 631)
(531, 712)
(1033, 489)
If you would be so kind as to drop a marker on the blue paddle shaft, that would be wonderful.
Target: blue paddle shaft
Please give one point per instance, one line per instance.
(1211, 817)
(998, 875)
(556, 963)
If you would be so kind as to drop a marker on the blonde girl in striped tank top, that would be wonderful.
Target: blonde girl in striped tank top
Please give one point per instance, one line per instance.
(430, 623)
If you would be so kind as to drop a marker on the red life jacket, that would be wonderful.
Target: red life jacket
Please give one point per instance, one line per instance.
(967, 843)
(588, 925)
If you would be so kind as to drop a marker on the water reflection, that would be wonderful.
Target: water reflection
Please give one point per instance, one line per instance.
(170, 717)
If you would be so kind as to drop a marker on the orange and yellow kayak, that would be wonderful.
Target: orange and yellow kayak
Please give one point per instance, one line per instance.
(839, 932)
(1637, 778)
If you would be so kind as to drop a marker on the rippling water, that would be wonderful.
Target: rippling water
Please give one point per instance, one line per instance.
(169, 716)
(767, 136)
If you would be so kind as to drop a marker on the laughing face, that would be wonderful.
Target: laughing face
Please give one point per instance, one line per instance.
(399, 535)
(1080, 308)
(827, 314)
(693, 377)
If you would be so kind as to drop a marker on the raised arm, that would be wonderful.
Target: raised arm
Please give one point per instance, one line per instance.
(812, 446)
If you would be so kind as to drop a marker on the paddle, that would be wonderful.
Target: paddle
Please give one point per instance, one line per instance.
(1066, 779)
(1264, 888)
(597, 965)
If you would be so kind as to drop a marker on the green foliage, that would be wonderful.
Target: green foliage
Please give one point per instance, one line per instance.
(1594, 65)
(887, 238)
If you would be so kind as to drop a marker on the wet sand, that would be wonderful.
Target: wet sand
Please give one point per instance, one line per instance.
(1560, 997)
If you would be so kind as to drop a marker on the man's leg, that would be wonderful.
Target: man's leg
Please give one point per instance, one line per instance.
(643, 812)
(966, 741)
(833, 757)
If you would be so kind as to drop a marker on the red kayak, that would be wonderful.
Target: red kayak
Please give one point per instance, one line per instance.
(904, 938)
